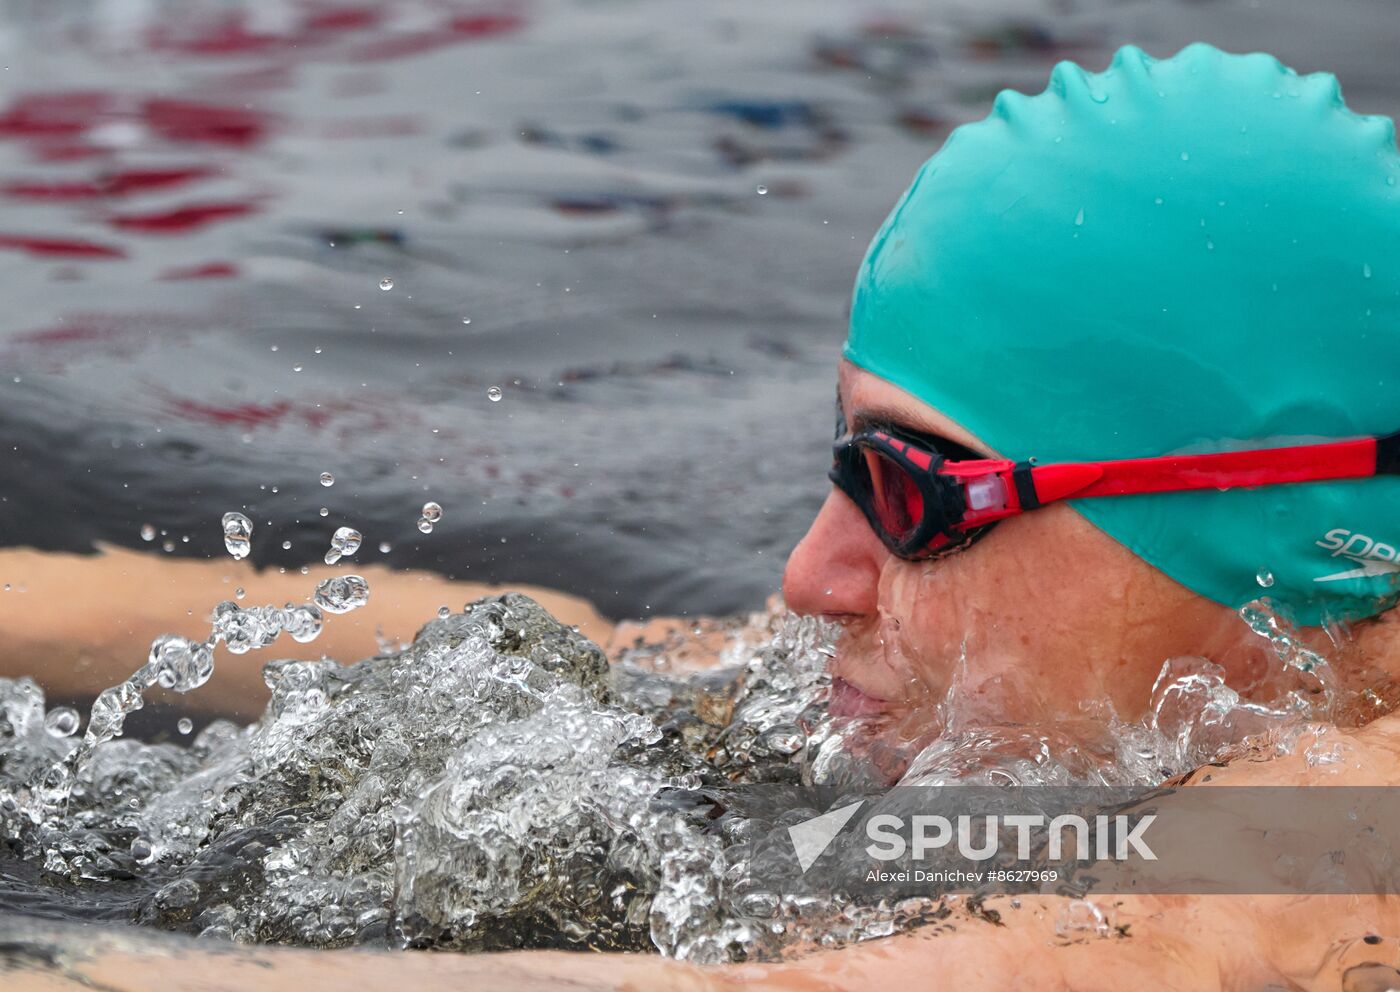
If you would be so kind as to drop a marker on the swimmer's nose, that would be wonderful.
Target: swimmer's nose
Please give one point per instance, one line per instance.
(835, 569)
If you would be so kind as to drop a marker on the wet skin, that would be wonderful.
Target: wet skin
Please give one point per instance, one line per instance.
(1047, 616)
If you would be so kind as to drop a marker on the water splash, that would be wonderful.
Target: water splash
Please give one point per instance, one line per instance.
(497, 784)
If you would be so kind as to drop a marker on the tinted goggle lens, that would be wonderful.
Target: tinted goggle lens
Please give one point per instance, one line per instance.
(894, 496)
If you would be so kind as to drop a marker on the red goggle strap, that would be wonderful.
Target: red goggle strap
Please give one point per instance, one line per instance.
(1357, 459)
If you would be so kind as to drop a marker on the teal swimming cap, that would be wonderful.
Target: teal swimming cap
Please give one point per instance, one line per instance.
(1195, 254)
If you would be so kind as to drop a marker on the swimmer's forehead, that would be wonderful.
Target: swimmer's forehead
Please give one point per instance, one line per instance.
(867, 399)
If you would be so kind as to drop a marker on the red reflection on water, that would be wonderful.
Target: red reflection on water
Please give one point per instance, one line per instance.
(345, 418)
(123, 183)
(242, 414)
(71, 115)
(462, 28)
(53, 115)
(64, 334)
(209, 270)
(186, 121)
(60, 247)
(181, 219)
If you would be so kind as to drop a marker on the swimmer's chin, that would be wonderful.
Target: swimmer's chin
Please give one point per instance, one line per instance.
(847, 700)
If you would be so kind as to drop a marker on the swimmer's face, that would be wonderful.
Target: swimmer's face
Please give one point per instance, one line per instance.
(1049, 613)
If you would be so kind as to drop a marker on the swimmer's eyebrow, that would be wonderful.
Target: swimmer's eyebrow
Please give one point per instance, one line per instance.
(887, 416)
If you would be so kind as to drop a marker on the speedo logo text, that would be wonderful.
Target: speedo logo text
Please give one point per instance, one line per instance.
(1374, 557)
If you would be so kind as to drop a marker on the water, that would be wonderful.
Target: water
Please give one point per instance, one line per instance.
(189, 186)
(498, 784)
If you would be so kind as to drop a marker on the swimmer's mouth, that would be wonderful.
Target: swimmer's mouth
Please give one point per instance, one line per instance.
(847, 700)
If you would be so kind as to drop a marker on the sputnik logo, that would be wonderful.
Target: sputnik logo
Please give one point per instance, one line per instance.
(811, 837)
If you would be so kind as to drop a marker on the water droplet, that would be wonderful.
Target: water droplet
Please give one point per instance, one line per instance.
(1079, 218)
(342, 594)
(386, 284)
(296, 368)
(239, 593)
(384, 547)
(1366, 270)
(303, 622)
(61, 721)
(238, 532)
(141, 849)
(1098, 96)
(324, 512)
(466, 320)
(1265, 578)
(432, 512)
(425, 525)
(327, 479)
(494, 394)
(345, 541)
(443, 613)
(286, 545)
(184, 725)
(148, 532)
(762, 190)
(181, 664)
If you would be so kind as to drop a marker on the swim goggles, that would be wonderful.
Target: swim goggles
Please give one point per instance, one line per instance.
(927, 497)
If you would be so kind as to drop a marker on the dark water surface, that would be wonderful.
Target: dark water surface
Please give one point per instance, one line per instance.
(198, 203)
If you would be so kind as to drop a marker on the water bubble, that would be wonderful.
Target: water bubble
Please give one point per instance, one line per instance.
(432, 512)
(1081, 918)
(384, 547)
(243, 630)
(444, 612)
(1265, 578)
(386, 284)
(238, 593)
(1366, 270)
(324, 512)
(181, 664)
(342, 594)
(141, 849)
(167, 546)
(761, 190)
(238, 531)
(327, 479)
(466, 320)
(286, 545)
(1185, 157)
(302, 622)
(148, 532)
(296, 368)
(1079, 218)
(425, 525)
(346, 541)
(185, 725)
(61, 721)
(494, 394)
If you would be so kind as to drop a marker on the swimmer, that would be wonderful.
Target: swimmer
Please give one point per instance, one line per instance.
(1191, 259)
